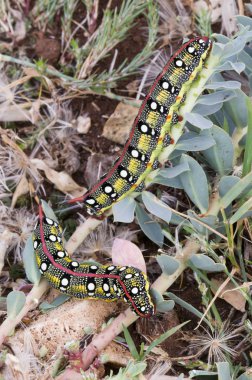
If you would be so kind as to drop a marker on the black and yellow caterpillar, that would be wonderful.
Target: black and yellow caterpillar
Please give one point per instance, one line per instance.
(151, 130)
(107, 282)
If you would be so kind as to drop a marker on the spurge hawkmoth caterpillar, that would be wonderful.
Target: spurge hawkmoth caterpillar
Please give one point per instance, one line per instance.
(151, 129)
(107, 282)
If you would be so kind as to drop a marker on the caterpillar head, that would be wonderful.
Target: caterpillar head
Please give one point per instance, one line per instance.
(135, 287)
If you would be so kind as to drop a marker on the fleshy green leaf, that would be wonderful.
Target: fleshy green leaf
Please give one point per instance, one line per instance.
(195, 183)
(236, 66)
(168, 264)
(156, 207)
(48, 211)
(165, 306)
(46, 306)
(216, 97)
(30, 264)
(242, 211)
(124, 210)
(150, 228)
(198, 120)
(230, 84)
(223, 371)
(205, 110)
(226, 183)
(204, 262)
(170, 182)
(174, 171)
(195, 144)
(236, 190)
(15, 303)
(221, 155)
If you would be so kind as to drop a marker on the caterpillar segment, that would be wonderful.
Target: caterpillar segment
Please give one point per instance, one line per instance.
(106, 282)
(151, 129)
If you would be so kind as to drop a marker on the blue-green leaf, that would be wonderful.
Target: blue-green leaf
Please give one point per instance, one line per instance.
(198, 120)
(150, 228)
(228, 65)
(230, 84)
(156, 207)
(171, 182)
(204, 262)
(216, 97)
(15, 303)
(195, 144)
(46, 306)
(174, 171)
(30, 265)
(220, 156)
(165, 306)
(124, 210)
(168, 264)
(223, 371)
(195, 183)
(48, 211)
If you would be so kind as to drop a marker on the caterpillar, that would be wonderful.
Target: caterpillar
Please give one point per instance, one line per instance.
(107, 282)
(151, 129)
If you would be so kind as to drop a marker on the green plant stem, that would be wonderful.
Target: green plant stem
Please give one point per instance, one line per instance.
(230, 237)
(247, 161)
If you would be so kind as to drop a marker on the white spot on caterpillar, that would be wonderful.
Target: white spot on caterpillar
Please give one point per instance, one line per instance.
(91, 286)
(134, 153)
(62, 288)
(129, 275)
(153, 105)
(144, 128)
(61, 254)
(49, 221)
(59, 239)
(105, 287)
(137, 274)
(202, 42)
(111, 267)
(91, 294)
(134, 290)
(130, 178)
(75, 264)
(108, 294)
(190, 49)
(108, 189)
(143, 308)
(153, 132)
(90, 201)
(35, 244)
(125, 299)
(43, 267)
(122, 269)
(113, 195)
(93, 267)
(115, 287)
(64, 281)
(161, 109)
(165, 85)
(123, 173)
(172, 90)
(179, 63)
(52, 238)
(143, 157)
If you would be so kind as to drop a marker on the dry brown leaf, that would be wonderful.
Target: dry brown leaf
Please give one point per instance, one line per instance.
(230, 294)
(21, 189)
(61, 180)
(118, 126)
